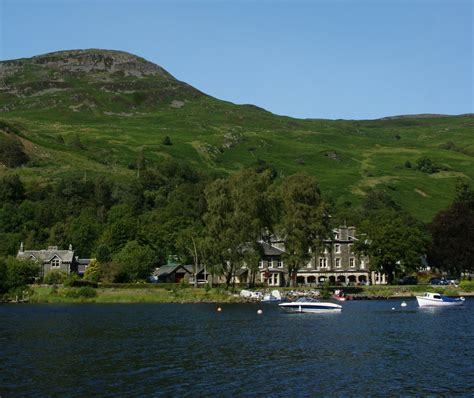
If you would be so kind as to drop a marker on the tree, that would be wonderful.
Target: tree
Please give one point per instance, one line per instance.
(92, 272)
(136, 262)
(102, 254)
(17, 273)
(12, 152)
(84, 232)
(464, 194)
(189, 243)
(393, 245)
(11, 189)
(304, 221)
(239, 208)
(452, 231)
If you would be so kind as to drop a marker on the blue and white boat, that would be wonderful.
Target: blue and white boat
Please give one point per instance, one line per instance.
(438, 300)
(309, 305)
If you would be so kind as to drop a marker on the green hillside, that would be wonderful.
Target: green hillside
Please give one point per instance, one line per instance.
(94, 111)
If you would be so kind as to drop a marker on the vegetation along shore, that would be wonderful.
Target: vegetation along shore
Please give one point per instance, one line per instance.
(148, 293)
(109, 154)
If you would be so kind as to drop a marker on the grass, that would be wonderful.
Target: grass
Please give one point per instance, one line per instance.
(150, 294)
(179, 294)
(370, 153)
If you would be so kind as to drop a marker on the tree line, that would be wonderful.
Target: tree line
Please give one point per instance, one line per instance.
(132, 225)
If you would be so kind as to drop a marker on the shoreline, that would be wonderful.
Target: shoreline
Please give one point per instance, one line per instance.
(190, 295)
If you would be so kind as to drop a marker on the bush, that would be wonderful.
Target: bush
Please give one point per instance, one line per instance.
(467, 286)
(12, 152)
(81, 292)
(167, 141)
(54, 277)
(75, 282)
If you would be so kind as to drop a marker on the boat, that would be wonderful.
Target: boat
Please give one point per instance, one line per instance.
(339, 295)
(438, 300)
(249, 294)
(309, 305)
(272, 297)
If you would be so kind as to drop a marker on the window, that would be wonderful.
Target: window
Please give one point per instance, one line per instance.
(260, 264)
(352, 262)
(55, 262)
(323, 262)
(280, 264)
(351, 249)
(338, 263)
(337, 248)
(362, 264)
(270, 264)
(336, 236)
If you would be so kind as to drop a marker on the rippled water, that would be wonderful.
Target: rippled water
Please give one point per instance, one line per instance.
(192, 350)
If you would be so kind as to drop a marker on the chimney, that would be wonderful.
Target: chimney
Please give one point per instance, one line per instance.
(70, 247)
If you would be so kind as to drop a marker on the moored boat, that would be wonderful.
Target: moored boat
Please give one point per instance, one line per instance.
(438, 300)
(272, 297)
(309, 305)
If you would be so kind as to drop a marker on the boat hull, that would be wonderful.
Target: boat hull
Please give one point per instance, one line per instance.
(430, 302)
(310, 307)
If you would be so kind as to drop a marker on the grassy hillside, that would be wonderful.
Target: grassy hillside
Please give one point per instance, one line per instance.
(94, 111)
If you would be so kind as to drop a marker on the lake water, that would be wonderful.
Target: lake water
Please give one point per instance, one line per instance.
(193, 351)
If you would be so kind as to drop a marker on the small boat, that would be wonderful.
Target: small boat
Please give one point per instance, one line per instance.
(438, 300)
(339, 295)
(248, 294)
(272, 297)
(309, 305)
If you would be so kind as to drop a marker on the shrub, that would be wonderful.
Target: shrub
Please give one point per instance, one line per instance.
(12, 152)
(54, 277)
(467, 286)
(75, 282)
(167, 141)
(81, 292)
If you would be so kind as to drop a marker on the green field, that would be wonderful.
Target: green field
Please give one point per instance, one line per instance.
(117, 115)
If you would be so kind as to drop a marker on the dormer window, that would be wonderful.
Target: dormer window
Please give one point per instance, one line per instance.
(55, 262)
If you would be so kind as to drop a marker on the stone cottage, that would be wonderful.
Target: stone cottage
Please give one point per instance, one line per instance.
(51, 259)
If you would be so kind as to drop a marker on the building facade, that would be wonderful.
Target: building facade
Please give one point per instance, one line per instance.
(51, 259)
(338, 264)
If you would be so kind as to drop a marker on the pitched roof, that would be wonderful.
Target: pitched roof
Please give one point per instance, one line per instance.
(169, 269)
(66, 256)
(270, 250)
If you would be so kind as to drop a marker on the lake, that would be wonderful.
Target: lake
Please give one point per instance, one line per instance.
(189, 350)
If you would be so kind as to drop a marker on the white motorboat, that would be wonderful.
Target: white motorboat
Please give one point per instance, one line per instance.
(248, 294)
(309, 305)
(438, 300)
(272, 297)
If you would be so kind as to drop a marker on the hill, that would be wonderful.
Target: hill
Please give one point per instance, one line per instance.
(95, 111)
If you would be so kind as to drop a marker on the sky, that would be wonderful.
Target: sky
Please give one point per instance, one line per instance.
(309, 59)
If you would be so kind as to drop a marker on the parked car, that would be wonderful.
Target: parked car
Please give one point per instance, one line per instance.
(438, 282)
(452, 281)
(408, 280)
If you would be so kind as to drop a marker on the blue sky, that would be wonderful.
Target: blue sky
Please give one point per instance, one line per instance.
(321, 59)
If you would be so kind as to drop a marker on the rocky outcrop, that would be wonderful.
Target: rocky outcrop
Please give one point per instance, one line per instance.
(87, 61)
